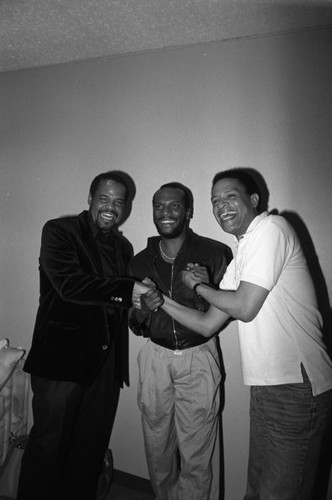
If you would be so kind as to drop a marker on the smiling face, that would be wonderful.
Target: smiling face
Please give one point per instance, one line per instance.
(233, 207)
(107, 205)
(170, 215)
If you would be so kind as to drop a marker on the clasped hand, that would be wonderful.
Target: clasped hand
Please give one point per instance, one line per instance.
(195, 273)
(147, 297)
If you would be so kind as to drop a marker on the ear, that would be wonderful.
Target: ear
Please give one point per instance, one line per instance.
(89, 199)
(188, 214)
(254, 198)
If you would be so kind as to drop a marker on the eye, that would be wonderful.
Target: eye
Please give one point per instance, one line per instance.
(120, 203)
(103, 199)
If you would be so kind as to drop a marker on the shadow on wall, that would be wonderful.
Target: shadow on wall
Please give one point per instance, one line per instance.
(316, 274)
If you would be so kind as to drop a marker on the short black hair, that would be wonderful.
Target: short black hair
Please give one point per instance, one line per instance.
(187, 194)
(241, 175)
(108, 176)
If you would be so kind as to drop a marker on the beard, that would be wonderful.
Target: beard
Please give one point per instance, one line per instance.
(173, 233)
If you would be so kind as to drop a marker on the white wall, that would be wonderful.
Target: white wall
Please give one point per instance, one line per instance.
(180, 114)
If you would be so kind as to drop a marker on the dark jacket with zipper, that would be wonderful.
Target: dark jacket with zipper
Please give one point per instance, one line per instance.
(159, 326)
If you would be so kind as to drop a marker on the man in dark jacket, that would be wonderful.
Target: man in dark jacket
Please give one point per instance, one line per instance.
(179, 374)
(78, 357)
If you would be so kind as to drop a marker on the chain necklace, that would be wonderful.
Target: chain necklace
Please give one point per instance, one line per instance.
(163, 253)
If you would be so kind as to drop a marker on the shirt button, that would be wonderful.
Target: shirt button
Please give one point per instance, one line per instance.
(104, 347)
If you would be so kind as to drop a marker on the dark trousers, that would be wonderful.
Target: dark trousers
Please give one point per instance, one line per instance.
(69, 437)
(288, 429)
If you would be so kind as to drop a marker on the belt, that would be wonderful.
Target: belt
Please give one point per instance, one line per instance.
(167, 344)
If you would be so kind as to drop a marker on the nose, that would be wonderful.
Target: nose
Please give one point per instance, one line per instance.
(166, 210)
(221, 205)
(110, 205)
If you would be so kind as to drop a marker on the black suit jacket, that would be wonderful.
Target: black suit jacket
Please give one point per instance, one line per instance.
(72, 333)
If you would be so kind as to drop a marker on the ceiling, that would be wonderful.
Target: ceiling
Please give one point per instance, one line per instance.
(37, 33)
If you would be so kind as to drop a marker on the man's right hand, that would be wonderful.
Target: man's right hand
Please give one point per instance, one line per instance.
(152, 300)
(146, 295)
(138, 290)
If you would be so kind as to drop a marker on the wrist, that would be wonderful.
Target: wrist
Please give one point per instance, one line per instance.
(196, 285)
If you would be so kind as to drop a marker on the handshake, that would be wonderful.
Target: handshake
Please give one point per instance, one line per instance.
(145, 295)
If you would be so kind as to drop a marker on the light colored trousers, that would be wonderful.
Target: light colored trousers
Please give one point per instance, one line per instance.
(179, 399)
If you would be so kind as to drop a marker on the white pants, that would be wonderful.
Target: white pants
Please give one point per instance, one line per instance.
(179, 397)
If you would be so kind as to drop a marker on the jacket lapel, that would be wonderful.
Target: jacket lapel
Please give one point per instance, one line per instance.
(89, 242)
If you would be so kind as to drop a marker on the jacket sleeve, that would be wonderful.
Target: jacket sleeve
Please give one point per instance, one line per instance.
(139, 322)
(68, 266)
(225, 256)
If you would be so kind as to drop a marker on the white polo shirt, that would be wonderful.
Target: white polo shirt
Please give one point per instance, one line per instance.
(287, 330)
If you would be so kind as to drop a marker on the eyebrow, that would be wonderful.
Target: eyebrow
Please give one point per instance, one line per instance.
(232, 189)
(155, 202)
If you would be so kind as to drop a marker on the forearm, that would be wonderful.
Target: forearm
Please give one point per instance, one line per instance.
(204, 323)
(242, 304)
(84, 288)
(223, 300)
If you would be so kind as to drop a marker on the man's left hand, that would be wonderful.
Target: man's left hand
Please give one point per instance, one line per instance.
(195, 273)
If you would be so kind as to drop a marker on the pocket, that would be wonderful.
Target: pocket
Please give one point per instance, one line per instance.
(62, 334)
(63, 325)
(212, 353)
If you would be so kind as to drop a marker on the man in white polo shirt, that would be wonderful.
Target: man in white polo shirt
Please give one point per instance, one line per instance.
(268, 288)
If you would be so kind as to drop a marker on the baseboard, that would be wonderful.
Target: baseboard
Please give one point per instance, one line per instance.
(131, 481)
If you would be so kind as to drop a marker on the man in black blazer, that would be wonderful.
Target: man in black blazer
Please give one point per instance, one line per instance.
(79, 355)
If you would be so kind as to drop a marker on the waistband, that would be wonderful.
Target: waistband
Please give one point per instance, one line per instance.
(187, 344)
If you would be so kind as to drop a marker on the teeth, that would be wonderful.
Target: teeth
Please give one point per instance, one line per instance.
(167, 221)
(227, 215)
(107, 216)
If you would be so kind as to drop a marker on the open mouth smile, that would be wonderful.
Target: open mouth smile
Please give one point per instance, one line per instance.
(227, 215)
(167, 221)
(108, 216)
